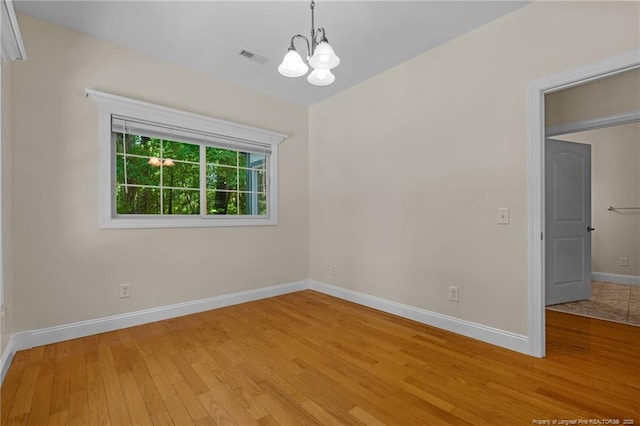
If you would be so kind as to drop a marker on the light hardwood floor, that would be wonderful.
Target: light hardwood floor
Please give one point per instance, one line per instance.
(307, 358)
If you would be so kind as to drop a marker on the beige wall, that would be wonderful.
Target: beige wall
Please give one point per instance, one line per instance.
(609, 96)
(6, 326)
(408, 168)
(615, 165)
(65, 268)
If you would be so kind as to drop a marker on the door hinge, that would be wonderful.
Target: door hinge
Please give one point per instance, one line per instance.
(542, 236)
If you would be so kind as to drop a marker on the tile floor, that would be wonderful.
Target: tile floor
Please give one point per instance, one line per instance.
(609, 301)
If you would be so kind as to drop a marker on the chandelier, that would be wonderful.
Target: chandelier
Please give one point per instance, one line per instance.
(321, 57)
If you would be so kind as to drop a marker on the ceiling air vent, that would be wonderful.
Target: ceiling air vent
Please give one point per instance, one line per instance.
(253, 56)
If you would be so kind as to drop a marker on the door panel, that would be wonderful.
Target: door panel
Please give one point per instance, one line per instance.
(567, 221)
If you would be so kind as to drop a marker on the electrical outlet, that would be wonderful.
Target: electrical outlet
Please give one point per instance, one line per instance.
(334, 270)
(623, 261)
(125, 290)
(454, 293)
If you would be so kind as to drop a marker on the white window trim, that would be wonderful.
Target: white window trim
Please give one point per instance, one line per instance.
(12, 47)
(109, 105)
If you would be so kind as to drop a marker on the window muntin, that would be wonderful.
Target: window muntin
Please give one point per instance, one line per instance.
(156, 177)
(236, 182)
(254, 195)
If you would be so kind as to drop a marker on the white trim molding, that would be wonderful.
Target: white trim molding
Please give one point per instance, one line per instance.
(494, 336)
(7, 357)
(616, 278)
(45, 336)
(12, 47)
(110, 105)
(536, 90)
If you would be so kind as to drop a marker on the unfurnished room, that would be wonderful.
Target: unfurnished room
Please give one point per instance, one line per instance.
(319, 212)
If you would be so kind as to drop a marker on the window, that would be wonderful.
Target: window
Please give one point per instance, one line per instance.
(161, 167)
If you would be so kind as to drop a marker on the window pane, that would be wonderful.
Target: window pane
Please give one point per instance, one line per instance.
(222, 156)
(182, 175)
(220, 177)
(139, 171)
(181, 151)
(252, 203)
(138, 145)
(232, 205)
(252, 180)
(136, 200)
(261, 182)
(243, 159)
(262, 204)
(256, 161)
(222, 202)
(178, 201)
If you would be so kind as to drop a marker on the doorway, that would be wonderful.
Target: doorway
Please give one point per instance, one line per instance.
(610, 284)
(537, 91)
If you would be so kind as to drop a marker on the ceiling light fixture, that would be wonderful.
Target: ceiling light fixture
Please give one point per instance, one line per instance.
(156, 162)
(321, 57)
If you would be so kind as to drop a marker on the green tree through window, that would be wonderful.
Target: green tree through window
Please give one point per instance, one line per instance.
(163, 177)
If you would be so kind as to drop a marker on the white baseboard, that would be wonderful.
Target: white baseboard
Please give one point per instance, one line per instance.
(7, 357)
(28, 339)
(45, 336)
(616, 278)
(505, 339)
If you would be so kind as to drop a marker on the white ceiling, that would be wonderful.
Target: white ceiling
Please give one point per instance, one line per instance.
(369, 36)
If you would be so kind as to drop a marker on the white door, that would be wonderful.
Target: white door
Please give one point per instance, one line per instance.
(567, 221)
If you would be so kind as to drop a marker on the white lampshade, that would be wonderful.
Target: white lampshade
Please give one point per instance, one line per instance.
(292, 65)
(324, 58)
(321, 77)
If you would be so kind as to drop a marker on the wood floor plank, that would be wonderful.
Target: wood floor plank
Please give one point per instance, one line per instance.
(96, 396)
(133, 397)
(308, 358)
(365, 417)
(150, 394)
(279, 413)
(118, 412)
(217, 411)
(11, 384)
(24, 394)
(218, 400)
(318, 413)
(177, 411)
(189, 374)
(59, 418)
(190, 400)
(161, 418)
(41, 400)
(78, 408)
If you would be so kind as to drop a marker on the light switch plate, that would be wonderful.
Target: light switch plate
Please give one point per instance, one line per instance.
(503, 216)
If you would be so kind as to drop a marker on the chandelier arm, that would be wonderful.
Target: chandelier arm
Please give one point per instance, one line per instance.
(317, 34)
(292, 46)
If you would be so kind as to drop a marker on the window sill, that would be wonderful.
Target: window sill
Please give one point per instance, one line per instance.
(184, 222)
